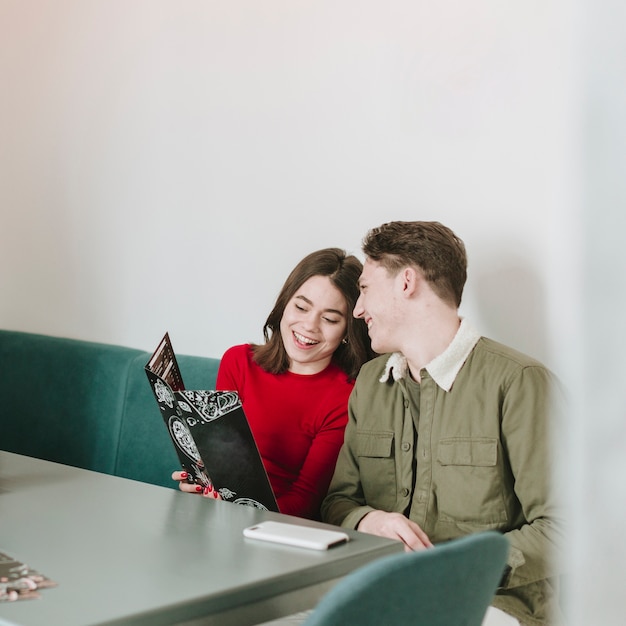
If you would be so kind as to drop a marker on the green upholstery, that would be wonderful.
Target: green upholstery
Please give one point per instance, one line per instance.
(62, 399)
(145, 450)
(88, 405)
(451, 584)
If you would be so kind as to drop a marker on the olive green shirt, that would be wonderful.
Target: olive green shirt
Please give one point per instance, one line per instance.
(482, 459)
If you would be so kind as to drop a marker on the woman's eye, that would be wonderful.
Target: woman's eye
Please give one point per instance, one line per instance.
(300, 308)
(330, 321)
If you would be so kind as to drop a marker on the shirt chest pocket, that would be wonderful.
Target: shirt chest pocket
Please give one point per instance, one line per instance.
(375, 451)
(474, 452)
(469, 484)
(374, 444)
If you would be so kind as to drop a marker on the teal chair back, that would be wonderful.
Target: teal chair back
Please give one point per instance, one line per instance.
(451, 584)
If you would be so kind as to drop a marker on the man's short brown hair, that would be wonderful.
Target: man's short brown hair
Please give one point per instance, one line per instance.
(429, 246)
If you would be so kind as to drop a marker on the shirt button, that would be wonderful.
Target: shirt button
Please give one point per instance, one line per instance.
(406, 446)
(406, 404)
(404, 492)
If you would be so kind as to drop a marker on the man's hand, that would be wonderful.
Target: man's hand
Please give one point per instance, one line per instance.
(395, 526)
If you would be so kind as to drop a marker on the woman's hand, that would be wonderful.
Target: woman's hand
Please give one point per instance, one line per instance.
(187, 487)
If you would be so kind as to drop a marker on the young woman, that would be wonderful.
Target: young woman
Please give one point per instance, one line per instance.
(294, 388)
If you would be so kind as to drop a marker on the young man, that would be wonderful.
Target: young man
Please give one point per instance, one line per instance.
(448, 432)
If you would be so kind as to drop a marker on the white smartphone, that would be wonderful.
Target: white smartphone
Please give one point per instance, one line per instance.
(295, 535)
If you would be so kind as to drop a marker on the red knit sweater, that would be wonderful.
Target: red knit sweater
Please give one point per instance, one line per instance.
(298, 422)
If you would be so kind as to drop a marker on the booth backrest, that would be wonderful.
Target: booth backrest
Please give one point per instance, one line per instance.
(145, 450)
(88, 404)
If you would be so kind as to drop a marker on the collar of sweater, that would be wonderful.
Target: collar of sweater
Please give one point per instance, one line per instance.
(444, 368)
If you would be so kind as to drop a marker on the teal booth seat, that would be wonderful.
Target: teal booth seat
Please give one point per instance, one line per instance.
(145, 450)
(88, 405)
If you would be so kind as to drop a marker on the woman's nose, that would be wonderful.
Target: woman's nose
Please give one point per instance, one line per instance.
(312, 322)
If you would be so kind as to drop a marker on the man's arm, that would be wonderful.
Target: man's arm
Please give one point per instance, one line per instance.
(346, 504)
(531, 414)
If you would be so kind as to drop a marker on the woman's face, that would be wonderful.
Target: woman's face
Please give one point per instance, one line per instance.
(313, 324)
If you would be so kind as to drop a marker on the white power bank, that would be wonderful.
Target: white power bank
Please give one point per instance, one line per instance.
(295, 535)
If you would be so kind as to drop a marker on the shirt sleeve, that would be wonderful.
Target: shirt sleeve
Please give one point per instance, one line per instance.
(345, 504)
(531, 416)
(230, 371)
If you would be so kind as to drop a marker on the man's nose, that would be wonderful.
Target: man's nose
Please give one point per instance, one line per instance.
(358, 309)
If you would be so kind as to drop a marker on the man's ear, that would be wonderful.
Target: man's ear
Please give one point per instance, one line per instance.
(410, 281)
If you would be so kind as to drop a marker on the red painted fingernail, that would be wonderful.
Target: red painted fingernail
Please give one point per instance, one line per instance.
(199, 488)
(184, 474)
(207, 490)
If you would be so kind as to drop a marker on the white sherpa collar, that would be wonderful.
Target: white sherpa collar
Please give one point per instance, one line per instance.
(444, 368)
(396, 367)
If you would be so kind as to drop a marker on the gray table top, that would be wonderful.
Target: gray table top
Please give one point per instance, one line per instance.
(125, 552)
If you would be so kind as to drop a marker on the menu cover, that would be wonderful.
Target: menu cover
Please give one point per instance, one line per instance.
(210, 433)
(18, 581)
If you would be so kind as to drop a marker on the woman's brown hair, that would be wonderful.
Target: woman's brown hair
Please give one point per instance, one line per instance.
(343, 271)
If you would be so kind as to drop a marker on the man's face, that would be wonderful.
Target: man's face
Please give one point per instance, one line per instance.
(377, 306)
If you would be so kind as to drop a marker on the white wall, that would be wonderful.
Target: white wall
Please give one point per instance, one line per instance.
(164, 164)
(597, 478)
